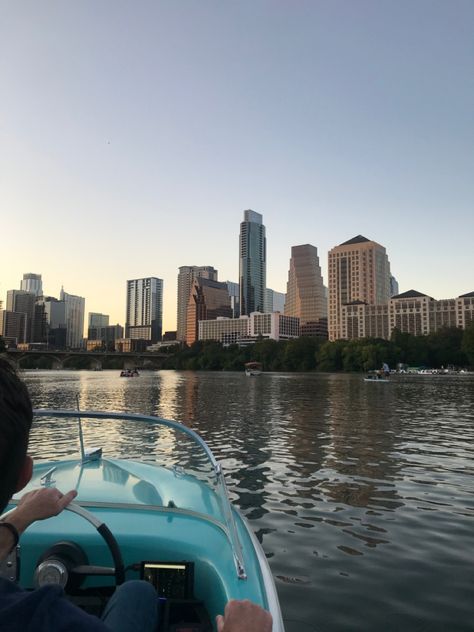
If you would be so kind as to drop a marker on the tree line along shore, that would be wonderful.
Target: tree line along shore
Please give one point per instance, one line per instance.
(448, 347)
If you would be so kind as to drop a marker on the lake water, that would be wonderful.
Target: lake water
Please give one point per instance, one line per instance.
(361, 493)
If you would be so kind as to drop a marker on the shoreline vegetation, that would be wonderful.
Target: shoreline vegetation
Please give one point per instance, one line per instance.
(448, 347)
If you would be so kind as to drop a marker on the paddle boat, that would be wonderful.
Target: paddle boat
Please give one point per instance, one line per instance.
(253, 368)
(129, 373)
(155, 508)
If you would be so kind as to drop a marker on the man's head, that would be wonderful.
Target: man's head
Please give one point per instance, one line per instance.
(15, 422)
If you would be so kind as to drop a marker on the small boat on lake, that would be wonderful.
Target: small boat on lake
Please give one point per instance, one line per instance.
(253, 368)
(376, 377)
(129, 373)
(162, 514)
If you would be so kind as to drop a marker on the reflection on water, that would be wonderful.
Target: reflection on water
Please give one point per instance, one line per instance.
(361, 493)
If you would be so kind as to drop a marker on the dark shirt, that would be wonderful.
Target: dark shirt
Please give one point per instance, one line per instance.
(42, 610)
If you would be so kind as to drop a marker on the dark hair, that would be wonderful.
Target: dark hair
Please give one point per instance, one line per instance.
(16, 416)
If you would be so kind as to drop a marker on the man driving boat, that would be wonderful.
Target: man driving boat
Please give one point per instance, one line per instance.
(133, 606)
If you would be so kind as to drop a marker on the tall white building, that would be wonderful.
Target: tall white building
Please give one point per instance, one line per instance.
(74, 307)
(186, 277)
(144, 309)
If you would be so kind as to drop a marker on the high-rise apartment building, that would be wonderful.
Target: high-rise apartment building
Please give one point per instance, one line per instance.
(252, 263)
(208, 300)
(23, 302)
(186, 277)
(32, 283)
(144, 309)
(359, 270)
(74, 311)
(305, 292)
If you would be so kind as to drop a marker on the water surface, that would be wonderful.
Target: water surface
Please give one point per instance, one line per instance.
(362, 494)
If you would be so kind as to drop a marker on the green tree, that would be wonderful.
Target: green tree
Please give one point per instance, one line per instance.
(467, 344)
(329, 356)
(444, 348)
(300, 354)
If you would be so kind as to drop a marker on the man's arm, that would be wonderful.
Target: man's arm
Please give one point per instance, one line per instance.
(36, 505)
(244, 616)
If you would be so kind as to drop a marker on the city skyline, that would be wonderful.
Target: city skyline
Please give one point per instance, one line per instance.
(122, 135)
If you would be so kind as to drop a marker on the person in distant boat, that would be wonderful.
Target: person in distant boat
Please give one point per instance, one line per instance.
(386, 369)
(133, 607)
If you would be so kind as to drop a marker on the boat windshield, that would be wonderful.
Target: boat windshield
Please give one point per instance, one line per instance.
(143, 461)
(124, 460)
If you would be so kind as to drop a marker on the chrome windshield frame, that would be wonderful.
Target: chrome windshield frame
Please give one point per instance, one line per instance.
(217, 469)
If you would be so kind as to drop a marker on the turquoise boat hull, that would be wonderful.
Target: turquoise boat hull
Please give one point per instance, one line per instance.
(155, 512)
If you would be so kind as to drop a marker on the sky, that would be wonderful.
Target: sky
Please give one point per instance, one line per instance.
(133, 134)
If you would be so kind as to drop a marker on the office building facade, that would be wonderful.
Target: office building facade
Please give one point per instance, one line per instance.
(411, 312)
(23, 302)
(32, 283)
(305, 293)
(208, 300)
(252, 263)
(359, 270)
(250, 329)
(12, 327)
(274, 301)
(97, 320)
(234, 295)
(186, 276)
(74, 309)
(144, 309)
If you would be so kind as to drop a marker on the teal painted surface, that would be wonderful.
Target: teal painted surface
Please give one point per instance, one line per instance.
(121, 481)
(147, 529)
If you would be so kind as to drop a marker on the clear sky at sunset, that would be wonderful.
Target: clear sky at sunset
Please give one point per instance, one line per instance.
(133, 134)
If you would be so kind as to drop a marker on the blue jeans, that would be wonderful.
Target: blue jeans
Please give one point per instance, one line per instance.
(132, 607)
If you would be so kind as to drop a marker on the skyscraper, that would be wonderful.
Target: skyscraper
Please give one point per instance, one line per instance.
(359, 270)
(305, 294)
(207, 301)
(252, 263)
(32, 283)
(234, 294)
(186, 277)
(274, 301)
(144, 309)
(24, 302)
(74, 308)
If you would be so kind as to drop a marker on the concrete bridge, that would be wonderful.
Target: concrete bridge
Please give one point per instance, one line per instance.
(96, 359)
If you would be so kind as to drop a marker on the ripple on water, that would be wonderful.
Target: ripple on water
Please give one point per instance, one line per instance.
(363, 498)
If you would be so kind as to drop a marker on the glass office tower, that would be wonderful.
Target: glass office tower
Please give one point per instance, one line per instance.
(252, 263)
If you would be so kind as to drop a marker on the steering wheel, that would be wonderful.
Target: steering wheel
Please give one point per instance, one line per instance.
(66, 558)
